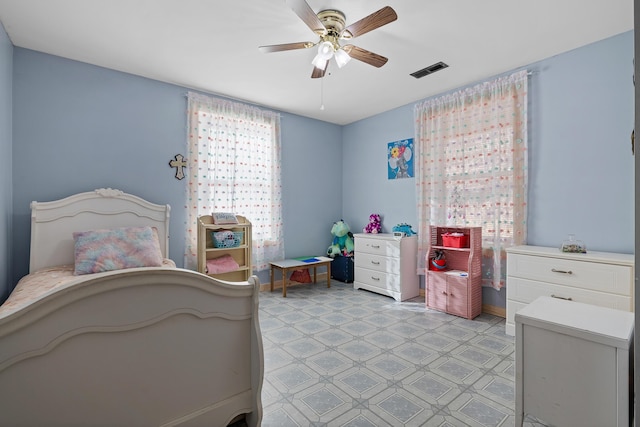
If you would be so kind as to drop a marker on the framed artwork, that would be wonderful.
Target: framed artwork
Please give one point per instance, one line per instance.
(400, 159)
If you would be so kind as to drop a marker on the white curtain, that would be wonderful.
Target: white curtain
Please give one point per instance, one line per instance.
(234, 166)
(471, 168)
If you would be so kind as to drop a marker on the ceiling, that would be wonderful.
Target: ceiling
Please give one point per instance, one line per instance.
(212, 45)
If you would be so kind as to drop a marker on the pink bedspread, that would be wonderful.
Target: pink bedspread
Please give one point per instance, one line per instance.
(42, 282)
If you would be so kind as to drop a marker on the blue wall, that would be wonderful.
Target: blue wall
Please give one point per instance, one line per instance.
(77, 127)
(581, 112)
(311, 184)
(6, 171)
(581, 176)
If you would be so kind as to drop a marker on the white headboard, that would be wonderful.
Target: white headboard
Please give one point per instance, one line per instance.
(52, 223)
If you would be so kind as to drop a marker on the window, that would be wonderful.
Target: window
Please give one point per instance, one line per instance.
(234, 166)
(467, 180)
(472, 166)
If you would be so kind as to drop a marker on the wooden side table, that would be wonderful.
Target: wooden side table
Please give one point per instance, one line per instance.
(572, 363)
(295, 264)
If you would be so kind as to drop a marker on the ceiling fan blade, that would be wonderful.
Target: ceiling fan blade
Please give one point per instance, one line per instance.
(319, 72)
(286, 46)
(365, 56)
(304, 11)
(371, 22)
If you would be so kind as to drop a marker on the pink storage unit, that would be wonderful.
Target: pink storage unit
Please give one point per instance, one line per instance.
(457, 289)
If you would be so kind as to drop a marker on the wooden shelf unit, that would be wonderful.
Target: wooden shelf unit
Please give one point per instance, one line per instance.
(241, 254)
(455, 293)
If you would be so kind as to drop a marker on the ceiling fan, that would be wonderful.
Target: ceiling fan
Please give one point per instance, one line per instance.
(329, 25)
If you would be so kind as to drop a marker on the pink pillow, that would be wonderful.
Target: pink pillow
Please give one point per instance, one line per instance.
(221, 264)
(115, 249)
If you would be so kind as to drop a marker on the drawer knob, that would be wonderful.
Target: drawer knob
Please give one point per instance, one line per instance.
(562, 271)
(375, 246)
(375, 278)
(564, 298)
(375, 262)
(444, 293)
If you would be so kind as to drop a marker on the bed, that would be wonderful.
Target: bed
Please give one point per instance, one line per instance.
(140, 346)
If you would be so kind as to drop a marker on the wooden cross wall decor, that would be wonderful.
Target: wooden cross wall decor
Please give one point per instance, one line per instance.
(179, 163)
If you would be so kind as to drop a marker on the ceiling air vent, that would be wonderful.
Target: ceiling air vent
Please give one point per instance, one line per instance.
(429, 70)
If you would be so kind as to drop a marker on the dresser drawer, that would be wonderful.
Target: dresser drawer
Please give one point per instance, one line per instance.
(522, 292)
(601, 277)
(388, 248)
(378, 263)
(526, 291)
(378, 279)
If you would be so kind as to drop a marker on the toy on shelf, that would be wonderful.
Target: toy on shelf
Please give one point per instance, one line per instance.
(374, 226)
(342, 244)
(404, 228)
(438, 261)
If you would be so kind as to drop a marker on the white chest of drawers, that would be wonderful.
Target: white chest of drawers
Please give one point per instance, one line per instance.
(599, 278)
(387, 265)
(572, 363)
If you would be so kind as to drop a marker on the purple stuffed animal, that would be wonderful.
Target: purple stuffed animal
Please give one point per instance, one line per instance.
(374, 226)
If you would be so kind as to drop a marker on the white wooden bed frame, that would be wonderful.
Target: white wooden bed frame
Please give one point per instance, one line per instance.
(137, 347)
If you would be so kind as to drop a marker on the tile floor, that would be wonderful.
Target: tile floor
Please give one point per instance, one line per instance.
(340, 357)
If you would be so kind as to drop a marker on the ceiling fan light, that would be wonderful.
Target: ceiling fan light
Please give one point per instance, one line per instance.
(342, 58)
(319, 62)
(325, 50)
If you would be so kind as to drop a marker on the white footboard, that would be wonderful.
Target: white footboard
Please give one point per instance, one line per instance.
(139, 347)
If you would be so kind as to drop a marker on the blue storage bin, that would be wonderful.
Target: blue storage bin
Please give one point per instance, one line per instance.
(342, 269)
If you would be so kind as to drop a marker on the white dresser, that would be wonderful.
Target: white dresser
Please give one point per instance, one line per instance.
(600, 278)
(387, 265)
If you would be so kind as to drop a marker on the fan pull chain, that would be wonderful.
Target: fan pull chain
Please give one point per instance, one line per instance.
(322, 94)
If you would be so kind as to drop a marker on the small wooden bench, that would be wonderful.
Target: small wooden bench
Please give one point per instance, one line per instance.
(287, 265)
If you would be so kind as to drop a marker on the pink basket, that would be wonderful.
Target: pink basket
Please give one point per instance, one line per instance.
(451, 241)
